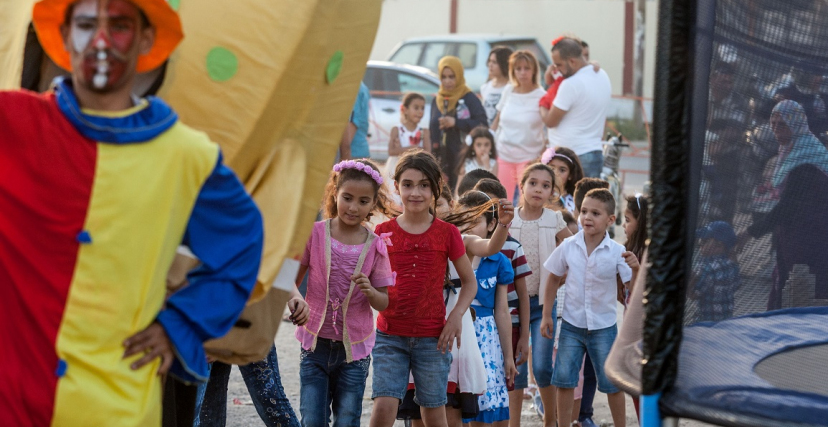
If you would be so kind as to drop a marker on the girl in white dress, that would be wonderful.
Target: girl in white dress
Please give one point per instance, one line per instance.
(408, 135)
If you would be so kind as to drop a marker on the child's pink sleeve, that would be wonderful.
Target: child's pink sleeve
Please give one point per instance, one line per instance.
(381, 274)
(307, 255)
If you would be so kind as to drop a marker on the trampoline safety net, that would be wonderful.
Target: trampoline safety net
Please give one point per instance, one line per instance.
(750, 346)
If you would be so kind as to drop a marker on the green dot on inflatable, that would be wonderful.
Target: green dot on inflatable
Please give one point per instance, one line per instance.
(174, 4)
(334, 66)
(221, 64)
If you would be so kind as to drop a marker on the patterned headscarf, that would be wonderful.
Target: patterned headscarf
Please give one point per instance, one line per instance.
(805, 148)
(460, 89)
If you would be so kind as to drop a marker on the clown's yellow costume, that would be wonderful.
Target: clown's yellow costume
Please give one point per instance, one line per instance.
(272, 84)
(92, 207)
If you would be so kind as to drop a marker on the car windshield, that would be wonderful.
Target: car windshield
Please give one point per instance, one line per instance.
(385, 83)
(408, 54)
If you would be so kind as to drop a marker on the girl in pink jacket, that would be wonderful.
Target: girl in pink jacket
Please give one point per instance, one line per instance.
(348, 274)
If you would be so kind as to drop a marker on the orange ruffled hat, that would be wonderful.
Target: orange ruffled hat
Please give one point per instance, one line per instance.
(49, 15)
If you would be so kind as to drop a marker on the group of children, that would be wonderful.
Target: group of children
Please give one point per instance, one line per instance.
(462, 288)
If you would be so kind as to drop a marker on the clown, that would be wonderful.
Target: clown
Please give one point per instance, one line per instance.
(97, 190)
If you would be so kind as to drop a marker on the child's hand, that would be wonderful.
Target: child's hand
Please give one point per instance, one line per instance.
(299, 311)
(549, 75)
(484, 159)
(511, 372)
(153, 342)
(522, 351)
(452, 330)
(446, 122)
(505, 211)
(631, 260)
(364, 284)
(548, 327)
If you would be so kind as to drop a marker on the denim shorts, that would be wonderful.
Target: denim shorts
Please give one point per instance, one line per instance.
(572, 344)
(396, 356)
(542, 347)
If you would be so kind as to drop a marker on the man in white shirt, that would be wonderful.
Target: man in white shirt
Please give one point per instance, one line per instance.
(579, 112)
(591, 261)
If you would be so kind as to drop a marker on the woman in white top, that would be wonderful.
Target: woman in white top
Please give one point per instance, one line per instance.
(491, 91)
(518, 126)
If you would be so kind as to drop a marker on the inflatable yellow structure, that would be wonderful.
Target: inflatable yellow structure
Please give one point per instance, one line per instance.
(273, 82)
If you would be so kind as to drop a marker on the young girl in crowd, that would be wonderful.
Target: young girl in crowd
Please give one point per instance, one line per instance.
(518, 126)
(540, 230)
(492, 323)
(468, 375)
(517, 299)
(413, 333)
(491, 91)
(349, 272)
(480, 153)
(408, 134)
(564, 162)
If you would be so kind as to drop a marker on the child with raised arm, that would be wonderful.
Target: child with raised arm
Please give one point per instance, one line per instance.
(349, 273)
(517, 299)
(590, 260)
(413, 333)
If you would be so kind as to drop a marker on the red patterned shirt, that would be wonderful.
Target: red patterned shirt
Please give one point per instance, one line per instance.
(415, 304)
(514, 251)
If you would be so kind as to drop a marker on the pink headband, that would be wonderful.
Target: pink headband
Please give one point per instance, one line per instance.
(550, 154)
(352, 164)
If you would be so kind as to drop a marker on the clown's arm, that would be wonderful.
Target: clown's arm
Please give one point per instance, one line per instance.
(225, 233)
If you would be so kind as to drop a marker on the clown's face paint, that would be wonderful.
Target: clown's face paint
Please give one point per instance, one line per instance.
(104, 36)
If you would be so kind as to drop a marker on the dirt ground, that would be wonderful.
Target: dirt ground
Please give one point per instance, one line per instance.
(241, 413)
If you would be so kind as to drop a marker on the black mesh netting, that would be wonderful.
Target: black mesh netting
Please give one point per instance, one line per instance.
(755, 328)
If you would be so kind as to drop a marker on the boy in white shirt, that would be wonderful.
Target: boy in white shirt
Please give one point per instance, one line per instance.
(590, 260)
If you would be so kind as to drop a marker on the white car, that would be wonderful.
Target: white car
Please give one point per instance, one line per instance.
(472, 49)
(387, 83)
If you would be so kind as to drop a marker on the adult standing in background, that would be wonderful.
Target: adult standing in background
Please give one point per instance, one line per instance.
(491, 91)
(579, 111)
(354, 143)
(455, 111)
(519, 126)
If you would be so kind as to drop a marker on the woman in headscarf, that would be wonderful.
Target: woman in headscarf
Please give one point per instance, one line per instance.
(796, 197)
(455, 111)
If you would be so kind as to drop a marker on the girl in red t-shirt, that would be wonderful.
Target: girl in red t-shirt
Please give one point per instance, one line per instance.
(413, 333)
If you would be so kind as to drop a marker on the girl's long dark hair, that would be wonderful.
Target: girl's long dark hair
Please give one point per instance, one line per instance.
(637, 243)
